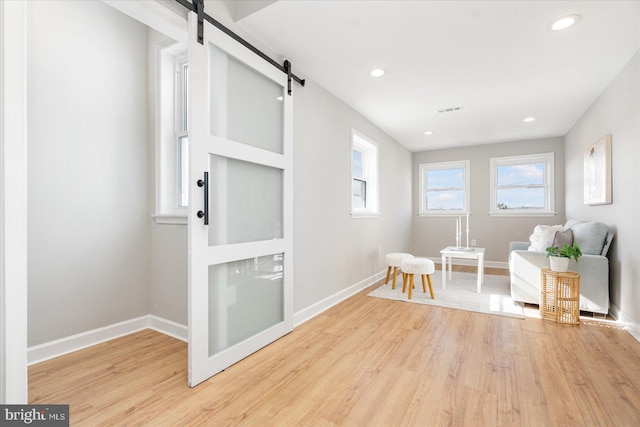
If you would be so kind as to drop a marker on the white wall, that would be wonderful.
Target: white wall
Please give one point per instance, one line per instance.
(88, 214)
(615, 112)
(168, 272)
(332, 250)
(431, 234)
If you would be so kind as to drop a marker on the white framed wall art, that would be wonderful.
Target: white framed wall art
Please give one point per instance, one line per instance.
(597, 173)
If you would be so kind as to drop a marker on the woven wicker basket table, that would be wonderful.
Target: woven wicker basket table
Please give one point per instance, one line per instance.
(560, 297)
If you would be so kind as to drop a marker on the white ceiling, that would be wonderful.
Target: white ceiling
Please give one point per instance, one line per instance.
(496, 59)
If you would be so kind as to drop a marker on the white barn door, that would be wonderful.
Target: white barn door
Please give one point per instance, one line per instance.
(240, 209)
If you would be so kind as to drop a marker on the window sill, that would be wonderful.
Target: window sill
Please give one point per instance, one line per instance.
(365, 214)
(444, 214)
(170, 219)
(523, 214)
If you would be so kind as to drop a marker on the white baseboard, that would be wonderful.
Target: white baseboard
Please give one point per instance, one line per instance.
(624, 320)
(49, 350)
(317, 308)
(614, 311)
(40, 353)
(169, 327)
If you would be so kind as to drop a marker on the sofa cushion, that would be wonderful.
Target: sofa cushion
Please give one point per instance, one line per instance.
(590, 236)
(541, 236)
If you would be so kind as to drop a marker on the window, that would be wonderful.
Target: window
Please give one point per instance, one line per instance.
(364, 176)
(182, 138)
(171, 133)
(444, 188)
(359, 183)
(522, 185)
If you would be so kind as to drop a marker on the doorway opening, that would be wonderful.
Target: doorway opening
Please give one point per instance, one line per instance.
(99, 264)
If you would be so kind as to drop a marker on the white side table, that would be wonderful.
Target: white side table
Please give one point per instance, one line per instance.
(451, 252)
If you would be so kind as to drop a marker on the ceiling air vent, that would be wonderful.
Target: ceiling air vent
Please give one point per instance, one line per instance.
(449, 109)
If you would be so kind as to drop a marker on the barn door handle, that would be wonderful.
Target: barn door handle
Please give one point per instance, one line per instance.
(205, 183)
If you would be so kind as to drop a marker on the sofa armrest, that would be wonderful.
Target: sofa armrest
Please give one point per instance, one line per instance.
(525, 269)
(518, 246)
(594, 282)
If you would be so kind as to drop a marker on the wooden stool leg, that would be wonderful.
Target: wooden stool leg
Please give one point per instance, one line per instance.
(404, 282)
(430, 286)
(393, 285)
(410, 284)
(388, 274)
(424, 287)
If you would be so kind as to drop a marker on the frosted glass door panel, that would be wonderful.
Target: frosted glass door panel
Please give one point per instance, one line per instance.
(245, 298)
(247, 201)
(246, 107)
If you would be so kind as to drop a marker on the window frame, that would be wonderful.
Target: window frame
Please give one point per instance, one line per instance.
(170, 128)
(181, 129)
(465, 165)
(549, 184)
(370, 175)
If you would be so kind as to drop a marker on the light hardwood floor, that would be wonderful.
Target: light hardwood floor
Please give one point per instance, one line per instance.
(365, 362)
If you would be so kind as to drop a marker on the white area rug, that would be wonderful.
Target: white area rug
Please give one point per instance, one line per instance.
(460, 294)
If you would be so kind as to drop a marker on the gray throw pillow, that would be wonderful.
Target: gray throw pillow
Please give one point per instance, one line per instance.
(562, 238)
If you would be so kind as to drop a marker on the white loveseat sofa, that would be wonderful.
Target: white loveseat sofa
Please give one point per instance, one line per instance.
(594, 239)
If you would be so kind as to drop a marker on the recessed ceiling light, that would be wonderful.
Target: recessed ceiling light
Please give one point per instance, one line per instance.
(428, 132)
(377, 72)
(565, 22)
(529, 119)
(280, 98)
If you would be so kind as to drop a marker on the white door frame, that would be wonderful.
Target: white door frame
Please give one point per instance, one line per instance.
(13, 202)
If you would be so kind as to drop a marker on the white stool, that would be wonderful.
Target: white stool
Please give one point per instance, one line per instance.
(423, 267)
(394, 260)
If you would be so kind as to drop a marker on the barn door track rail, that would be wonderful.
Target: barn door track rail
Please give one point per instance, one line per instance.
(197, 6)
